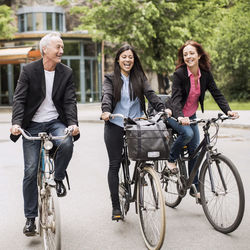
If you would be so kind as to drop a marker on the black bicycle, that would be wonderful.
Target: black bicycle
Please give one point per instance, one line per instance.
(221, 189)
(144, 188)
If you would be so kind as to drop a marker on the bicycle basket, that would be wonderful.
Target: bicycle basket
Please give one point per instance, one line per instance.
(147, 140)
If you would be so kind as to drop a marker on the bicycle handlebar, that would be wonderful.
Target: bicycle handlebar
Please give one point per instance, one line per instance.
(155, 118)
(213, 120)
(50, 137)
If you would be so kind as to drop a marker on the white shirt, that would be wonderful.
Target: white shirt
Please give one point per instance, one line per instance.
(47, 110)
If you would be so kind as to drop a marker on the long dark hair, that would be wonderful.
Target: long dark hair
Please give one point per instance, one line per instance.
(204, 61)
(136, 76)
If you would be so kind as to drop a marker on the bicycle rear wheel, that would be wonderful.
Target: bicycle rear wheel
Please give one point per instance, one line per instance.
(150, 207)
(51, 220)
(224, 208)
(123, 192)
(169, 184)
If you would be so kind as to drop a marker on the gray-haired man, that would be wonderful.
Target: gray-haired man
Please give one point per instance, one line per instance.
(45, 101)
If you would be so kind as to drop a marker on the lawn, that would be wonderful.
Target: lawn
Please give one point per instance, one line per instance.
(210, 104)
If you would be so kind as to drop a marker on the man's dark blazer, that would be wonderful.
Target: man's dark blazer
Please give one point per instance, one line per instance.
(181, 88)
(30, 93)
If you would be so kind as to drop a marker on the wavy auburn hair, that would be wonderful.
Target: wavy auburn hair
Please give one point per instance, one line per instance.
(204, 61)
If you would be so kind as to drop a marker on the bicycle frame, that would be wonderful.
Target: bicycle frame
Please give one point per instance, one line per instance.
(46, 167)
(203, 149)
(126, 173)
(129, 181)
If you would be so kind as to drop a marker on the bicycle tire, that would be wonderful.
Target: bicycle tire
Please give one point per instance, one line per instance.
(169, 184)
(51, 220)
(123, 194)
(151, 208)
(224, 209)
(40, 204)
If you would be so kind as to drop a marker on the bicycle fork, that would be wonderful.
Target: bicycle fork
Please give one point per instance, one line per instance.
(209, 160)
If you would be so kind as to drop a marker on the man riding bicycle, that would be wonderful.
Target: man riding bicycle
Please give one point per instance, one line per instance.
(44, 101)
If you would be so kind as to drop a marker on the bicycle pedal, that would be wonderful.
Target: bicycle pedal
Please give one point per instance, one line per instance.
(51, 183)
(117, 217)
(144, 182)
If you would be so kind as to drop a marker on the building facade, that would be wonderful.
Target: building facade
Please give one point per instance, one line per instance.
(33, 20)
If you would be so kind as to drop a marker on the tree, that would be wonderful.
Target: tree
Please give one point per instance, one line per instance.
(6, 28)
(155, 28)
(232, 60)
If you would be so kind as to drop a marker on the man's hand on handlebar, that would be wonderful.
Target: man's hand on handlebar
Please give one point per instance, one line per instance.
(15, 129)
(75, 129)
(105, 116)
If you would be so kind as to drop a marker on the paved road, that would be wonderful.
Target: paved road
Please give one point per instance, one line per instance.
(86, 211)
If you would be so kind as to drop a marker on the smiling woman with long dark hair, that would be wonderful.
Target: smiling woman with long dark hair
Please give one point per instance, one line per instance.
(123, 93)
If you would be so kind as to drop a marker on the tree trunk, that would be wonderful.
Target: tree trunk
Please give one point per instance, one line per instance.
(161, 84)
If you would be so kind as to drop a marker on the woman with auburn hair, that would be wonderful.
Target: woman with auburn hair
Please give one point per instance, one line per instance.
(190, 81)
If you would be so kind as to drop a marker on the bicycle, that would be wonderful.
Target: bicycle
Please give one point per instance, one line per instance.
(146, 193)
(49, 224)
(221, 189)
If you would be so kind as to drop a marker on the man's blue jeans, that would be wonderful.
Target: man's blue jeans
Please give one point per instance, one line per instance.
(31, 150)
(187, 136)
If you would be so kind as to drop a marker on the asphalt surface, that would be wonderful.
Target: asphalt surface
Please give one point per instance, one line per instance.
(86, 210)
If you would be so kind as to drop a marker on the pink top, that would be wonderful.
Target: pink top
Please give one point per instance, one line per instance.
(192, 104)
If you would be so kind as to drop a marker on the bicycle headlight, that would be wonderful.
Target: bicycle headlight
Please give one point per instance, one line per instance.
(48, 145)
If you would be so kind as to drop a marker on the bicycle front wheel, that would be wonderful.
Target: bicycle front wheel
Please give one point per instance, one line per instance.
(51, 220)
(150, 207)
(224, 206)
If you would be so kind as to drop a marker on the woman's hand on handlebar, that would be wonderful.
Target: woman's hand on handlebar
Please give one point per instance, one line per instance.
(233, 114)
(105, 116)
(168, 112)
(184, 120)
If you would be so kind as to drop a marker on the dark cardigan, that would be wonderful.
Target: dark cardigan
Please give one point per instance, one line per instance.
(181, 88)
(108, 101)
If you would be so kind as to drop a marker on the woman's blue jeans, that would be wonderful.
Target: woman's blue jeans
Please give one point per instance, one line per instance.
(31, 150)
(187, 136)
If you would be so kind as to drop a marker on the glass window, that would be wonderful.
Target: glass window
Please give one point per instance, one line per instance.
(61, 22)
(35, 21)
(95, 81)
(4, 84)
(39, 21)
(49, 21)
(16, 68)
(57, 22)
(29, 22)
(72, 48)
(75, 65)
(21, 20)
(64, 61)
(88, 81)
(90, 49)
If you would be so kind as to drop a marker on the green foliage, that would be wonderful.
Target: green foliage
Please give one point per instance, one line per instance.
(6, 28)
(157, 28)
(233, 54)
(210, 104)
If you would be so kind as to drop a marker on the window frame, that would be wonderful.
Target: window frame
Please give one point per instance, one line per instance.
(56, 11)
